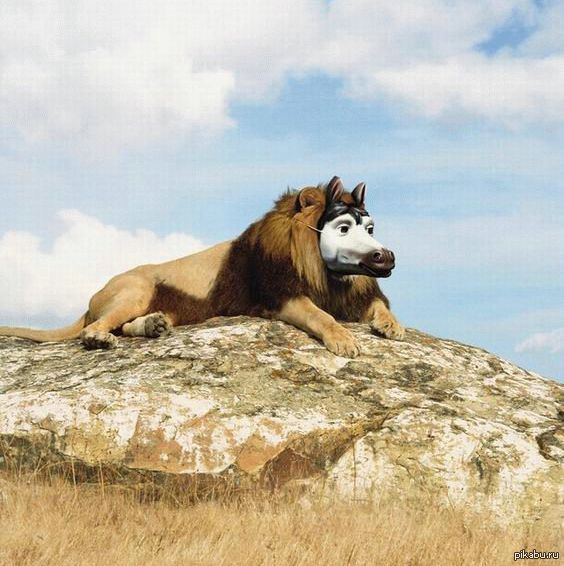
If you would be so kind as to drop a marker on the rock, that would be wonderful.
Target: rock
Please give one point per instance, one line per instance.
(236, 402)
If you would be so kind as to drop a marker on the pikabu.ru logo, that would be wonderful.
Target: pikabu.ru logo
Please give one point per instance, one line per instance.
(535, 555)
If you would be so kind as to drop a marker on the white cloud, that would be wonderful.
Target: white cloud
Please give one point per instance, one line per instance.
(552, 342)
(509, 90)
(59, 281)
(101, 77)
(426, 56)
(548, 38)
(371, 35)
(104, 76)
(119, 74)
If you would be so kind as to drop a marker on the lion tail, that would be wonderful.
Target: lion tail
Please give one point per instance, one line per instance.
(66, 333)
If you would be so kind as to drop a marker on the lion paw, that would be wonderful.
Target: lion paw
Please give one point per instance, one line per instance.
(341, 342)
(95, 340)
(388, 325)
(156, 325)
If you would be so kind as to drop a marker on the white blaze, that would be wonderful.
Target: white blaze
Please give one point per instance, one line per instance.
(344, 243)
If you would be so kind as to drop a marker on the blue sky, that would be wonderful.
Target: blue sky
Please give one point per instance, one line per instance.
(115, 151)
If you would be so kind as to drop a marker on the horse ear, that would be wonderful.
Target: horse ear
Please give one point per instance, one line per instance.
(358, 194)
(334, 190)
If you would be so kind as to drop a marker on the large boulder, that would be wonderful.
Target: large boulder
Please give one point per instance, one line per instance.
(244, 401)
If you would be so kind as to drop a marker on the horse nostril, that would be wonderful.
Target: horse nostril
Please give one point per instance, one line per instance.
(377, 257)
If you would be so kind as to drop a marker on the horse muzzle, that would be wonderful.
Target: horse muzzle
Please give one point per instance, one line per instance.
(379, 263)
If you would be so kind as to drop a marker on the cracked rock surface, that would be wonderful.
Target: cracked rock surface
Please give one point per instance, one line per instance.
(241, 401)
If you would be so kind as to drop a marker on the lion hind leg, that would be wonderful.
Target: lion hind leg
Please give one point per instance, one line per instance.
(151, 326)
(123, 300)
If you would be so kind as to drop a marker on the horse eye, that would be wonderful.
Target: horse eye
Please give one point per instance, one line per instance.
(343, 229)
(370, 230)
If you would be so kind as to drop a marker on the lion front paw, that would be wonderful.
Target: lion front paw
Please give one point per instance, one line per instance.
(341, 342)
(386, 324)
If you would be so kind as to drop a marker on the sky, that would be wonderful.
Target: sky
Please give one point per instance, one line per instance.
(140, 131)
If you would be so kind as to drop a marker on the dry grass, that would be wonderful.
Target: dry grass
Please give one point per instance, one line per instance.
(54, 523)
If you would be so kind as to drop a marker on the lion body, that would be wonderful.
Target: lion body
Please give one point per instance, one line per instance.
(273, 270)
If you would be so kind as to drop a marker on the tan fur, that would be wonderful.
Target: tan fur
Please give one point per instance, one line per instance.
(383, 321)
(128, 296)
(194, 274)
(301, 312)
(71, 331)
(151, 325)
(278, 257)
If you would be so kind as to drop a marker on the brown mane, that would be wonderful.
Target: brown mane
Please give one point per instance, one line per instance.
(286, 233)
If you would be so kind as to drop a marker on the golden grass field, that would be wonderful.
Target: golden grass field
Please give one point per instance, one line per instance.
(52, 522)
